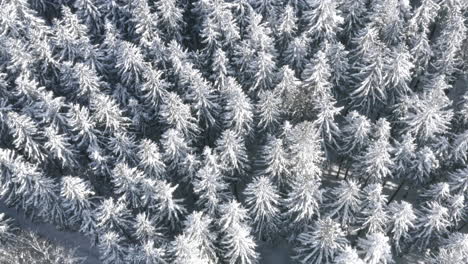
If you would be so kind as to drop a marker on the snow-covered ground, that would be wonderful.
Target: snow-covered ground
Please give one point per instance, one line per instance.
(66, 239)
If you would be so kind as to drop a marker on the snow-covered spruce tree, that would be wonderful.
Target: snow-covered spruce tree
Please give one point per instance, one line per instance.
(348, 255)
(122, 145)
(286, 27)
(269, 112)
(288, 90)
(375, 163)
(420, 30)
(373, 215)
(126, 182)
(262, 201)
(429, 115)
(321, 242)
(447, 59)
(460, 147)
(59, 147)
(240, 246)
(273, 161)
(107, 114)
(238, 108)
(439, 192)
(296, 53)
(376, 248)
(175, 148)
(169, 208)
(401, 220)
(424, 164)
(322, 21)
(147, 253)
(232, 152)
(397, 73)
(303, 202)
(177, 115)
(150, 159)
(306, 153)
(113, 216)
(26, 135)
(76, 194)
(85, 133)
(354, 13)
(210, 185)
(404, 155)
(326, 123)
(367, 62)
(146, 229)
(316, 77)
(199, 228)
(338, 56)
(170, 19)
(344, 202)
(458, 181)
(453, 250)
(432, 221)
(355, 134)
(112, 248)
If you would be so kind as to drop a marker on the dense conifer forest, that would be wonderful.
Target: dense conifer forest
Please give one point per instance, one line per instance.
(231, 131)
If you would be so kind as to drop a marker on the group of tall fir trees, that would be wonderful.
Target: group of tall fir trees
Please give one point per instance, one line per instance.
(196, 132)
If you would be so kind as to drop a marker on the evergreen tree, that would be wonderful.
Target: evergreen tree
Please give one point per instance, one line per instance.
(303, 201)
(273, 161)
(147, 253)
(397, 73)
(232, 152)
(126, 181)
(321, 242)
(305, 150)
(432, 221)
(76, 194)
(238, 110)
(375, 163)
(198, 228)
(345, 202)
(373, 213)
(150, 159)
(113, 217)
(177, 115)
(348, 256)
(169, 209)
(26, 135)
(376, 248)
(353, 17)
(210, 186)
(402, 219)
(184, 250)
(428, 116)
(111, 249)
(286, 27)
(262, 201)
(170, 18)
(240, 246)
(424, 164)
(269, 112)
(355, 133)
(323, 20)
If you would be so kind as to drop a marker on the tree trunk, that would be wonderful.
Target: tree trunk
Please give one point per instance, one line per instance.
(396, 192)
(235, 191)
(346, 173)
(339, 168)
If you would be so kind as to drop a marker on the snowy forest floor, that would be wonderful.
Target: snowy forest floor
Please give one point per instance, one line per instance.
(66, 239)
